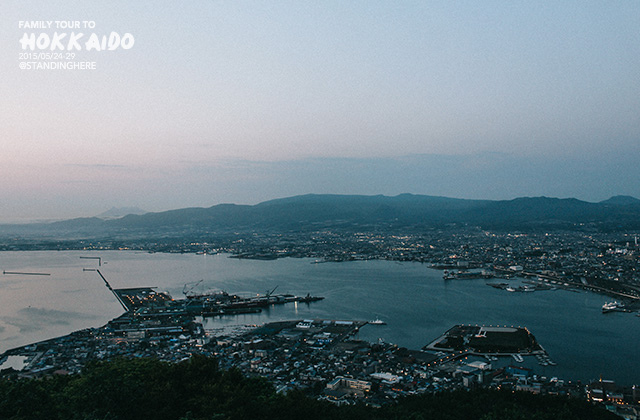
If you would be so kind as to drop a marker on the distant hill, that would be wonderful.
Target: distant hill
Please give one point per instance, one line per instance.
(621, 200)
(309, 211)
(117, 212)
(407, 211)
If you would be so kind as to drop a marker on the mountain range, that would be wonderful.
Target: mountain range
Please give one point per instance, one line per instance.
(117, 212)
(317, 211)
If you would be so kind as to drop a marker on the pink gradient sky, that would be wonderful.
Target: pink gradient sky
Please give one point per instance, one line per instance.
(247, 101)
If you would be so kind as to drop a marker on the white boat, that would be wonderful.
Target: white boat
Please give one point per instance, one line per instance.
(377, 321)
(612, 306)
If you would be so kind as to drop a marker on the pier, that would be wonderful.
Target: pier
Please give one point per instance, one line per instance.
(151, 303)
(25, 274)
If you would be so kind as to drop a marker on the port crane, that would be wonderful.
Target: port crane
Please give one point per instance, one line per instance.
(269, 293)
(267, 297)
(186, 291)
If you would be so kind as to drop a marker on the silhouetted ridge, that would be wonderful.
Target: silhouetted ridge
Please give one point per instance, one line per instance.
(621, 200)
(312, 210)
(317, 211)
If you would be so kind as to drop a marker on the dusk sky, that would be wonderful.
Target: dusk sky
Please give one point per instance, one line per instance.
(245, 101)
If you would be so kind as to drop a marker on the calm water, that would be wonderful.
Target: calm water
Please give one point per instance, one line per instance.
(413, 299)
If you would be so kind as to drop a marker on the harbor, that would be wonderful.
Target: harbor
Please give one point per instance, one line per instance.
(340, 358)
(147, 302)
(570, 325)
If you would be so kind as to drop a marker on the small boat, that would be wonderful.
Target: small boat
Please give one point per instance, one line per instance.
(377, 321)
(613, 306)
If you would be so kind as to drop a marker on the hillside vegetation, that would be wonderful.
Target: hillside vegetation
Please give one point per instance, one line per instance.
(197, 389)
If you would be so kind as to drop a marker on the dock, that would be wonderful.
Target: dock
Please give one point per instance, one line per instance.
(486, 340)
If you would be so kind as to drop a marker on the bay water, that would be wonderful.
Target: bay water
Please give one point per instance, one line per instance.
(414, 301)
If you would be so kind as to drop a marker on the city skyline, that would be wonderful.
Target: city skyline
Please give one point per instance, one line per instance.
(244, 102)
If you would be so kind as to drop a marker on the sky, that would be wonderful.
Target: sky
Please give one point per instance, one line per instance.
(246, 101)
